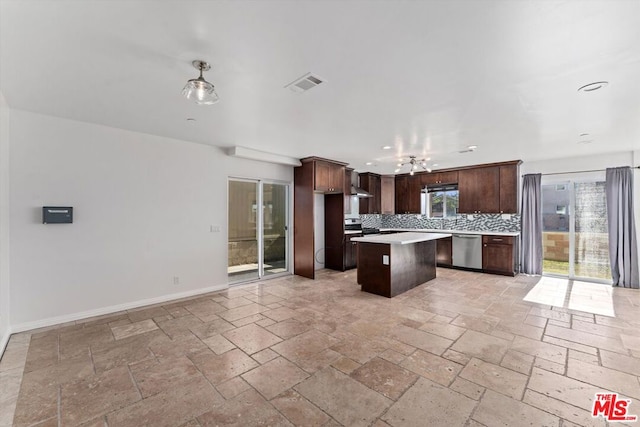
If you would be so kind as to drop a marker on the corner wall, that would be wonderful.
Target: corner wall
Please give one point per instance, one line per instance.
(4, 223)
(143, 209)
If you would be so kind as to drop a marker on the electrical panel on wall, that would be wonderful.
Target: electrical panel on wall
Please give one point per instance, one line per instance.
(57, 215)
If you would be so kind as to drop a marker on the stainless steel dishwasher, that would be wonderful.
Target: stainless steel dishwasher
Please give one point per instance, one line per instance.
(467, 250)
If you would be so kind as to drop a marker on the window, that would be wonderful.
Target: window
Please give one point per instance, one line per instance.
(440, 202)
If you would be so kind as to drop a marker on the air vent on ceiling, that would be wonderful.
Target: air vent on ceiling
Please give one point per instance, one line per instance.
(304, 83)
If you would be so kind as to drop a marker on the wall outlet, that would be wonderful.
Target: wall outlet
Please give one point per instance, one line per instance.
(214, 228)
(506, 216)
(385, 259)
(176, 280)
(469, 217)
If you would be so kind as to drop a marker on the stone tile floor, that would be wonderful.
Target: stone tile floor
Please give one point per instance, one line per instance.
(465, 349)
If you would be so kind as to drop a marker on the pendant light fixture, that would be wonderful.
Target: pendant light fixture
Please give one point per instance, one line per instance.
(414, 164)
(200, 90)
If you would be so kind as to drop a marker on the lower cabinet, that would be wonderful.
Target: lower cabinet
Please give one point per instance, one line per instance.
(443, 251)
(498, 254)
(350, 251)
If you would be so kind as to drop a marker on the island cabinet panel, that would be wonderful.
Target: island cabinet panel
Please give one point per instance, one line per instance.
(406, 267)
(498, 255)
(371, 183)
(444, 251)
(350, 251)
(329, 177)
(479, 190)
(408, 189)
(434, 178)
(509, 189)
(387, 195)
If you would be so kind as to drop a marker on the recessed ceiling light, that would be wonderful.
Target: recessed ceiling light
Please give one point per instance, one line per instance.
(584, 134)
(472, 147)
(386, 147)
(434, 165)
(191, 119)
(369, 163)
(593, 86)
(397, 170)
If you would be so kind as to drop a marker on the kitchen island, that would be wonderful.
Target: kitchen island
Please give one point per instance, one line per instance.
(391, 264)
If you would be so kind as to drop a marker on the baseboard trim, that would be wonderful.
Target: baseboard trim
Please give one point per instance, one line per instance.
(51, 321)
(4, 340)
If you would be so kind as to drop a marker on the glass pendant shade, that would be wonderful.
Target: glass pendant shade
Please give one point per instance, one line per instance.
(199, 90)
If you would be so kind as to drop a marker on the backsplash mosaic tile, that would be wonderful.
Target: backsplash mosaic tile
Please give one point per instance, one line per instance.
(463, 222)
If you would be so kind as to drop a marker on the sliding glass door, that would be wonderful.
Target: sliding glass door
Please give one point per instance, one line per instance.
(258, 229)
(574, 237)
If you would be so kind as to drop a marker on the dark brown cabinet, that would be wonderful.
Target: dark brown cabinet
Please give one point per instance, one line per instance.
(446, 177)
(387, 195)
(509, 189)
(443, 251)
(371, 183)
(407, 194)
(350, 251)
(329, 177)
(479, 190)
(317, 175)
(498, 255)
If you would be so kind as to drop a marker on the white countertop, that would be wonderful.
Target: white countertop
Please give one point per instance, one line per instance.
(426, 230)
(400, 238)
(352, 231)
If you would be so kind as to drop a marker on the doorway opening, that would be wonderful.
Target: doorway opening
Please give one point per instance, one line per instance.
(575, 237)
(258, 241)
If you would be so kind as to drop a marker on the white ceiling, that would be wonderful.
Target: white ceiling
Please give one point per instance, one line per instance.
(426, 77)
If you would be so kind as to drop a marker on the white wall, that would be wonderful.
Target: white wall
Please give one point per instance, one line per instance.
(4, 223)
(143, 207)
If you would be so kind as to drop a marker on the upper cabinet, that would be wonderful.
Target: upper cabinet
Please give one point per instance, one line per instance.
(479, 190)
(434, 178)
(387, 194)
(407, 193)
(489, 189)
(372, 183)
(329, 176)
(509, 188)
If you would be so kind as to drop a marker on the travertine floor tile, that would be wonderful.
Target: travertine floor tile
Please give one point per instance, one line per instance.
(386, 378)
(494, 377)
(274, 377)
(299, 410)
(482, 346)
(246, 409)
(498, 410)
(220, 368)
(443, 407)
(420, 339)
(435, 368)
(343, 398)
(169, 408)
(125, 331)
(505, 358)
(607, 378)
(169, 373)
(89, 398)
(252, 338)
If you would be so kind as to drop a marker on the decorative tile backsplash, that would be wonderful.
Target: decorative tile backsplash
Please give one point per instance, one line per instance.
(480, 222)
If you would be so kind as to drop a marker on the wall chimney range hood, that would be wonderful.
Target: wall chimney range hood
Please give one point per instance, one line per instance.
(355, 187)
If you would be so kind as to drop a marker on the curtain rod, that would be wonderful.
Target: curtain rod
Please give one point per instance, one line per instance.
(592, 170)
